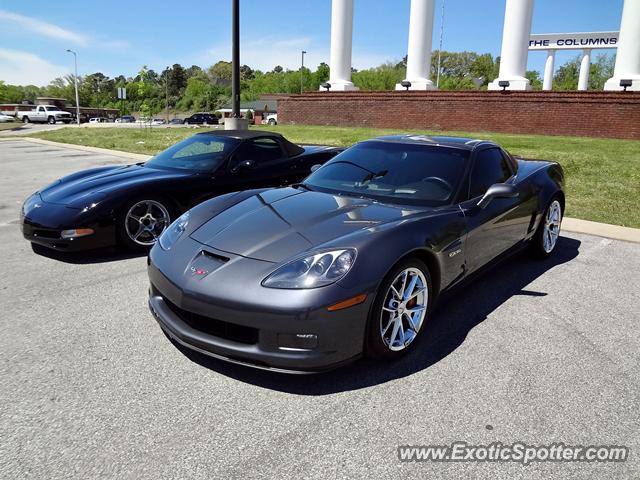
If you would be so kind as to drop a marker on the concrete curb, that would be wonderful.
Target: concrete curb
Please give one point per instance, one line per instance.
(116, 153)
(574, 225)
(614, 232)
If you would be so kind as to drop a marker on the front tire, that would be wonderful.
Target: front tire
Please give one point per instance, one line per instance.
(546, 237)
(400, 310)
(51, 120)
(141, 222)
(272, 122)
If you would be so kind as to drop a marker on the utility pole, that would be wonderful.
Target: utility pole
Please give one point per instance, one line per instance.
(302, 72)
(235, 69)
(75, 61)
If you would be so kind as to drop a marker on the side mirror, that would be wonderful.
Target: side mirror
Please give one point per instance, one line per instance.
(315, 167)
(243, 165)
(498, 190)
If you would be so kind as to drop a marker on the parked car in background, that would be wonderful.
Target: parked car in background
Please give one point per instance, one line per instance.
(126, 119)
(158, 121)
(98, 120)
(6, 118)
(46, 114)
(352, 260)
(176, 121)
(201, 118)
(271, 119)
(133, 204)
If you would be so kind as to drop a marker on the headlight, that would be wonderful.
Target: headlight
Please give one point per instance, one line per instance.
(175, 230)
(316, 270)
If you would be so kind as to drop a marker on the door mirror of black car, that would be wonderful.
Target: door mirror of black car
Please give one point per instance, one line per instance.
(244, 165)
(498, 190)
(315, 167)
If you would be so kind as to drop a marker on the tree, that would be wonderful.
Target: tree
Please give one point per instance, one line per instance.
(221, 70)
(246, 73)
(383, 77)
(278, 69)
(177, 80)
(601, 70)
(566, 78)
(534, 78)
(320, 76)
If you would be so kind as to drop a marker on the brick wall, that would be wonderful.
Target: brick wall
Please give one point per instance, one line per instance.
(593, 114)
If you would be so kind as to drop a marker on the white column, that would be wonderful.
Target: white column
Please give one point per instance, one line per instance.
(585, 65)
(419, 49)
(515, 45)
(341, 40)
(547, 83)
(628, 54)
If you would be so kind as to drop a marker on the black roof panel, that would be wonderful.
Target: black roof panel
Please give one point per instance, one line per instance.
(240, 134)
(459, 142)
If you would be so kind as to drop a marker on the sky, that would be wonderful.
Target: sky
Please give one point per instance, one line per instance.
(119, 37)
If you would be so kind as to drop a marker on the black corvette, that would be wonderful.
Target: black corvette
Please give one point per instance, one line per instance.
(307, 277)
(133, 204)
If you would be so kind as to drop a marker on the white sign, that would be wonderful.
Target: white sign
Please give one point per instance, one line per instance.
(573, 41)
(122, 93)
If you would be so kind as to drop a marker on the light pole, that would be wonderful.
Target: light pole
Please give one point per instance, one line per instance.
(75, 81)
(235, 59)
(166, 93)
(440, 47)
(302, 72)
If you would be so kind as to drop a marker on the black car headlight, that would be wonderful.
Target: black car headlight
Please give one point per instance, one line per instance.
(314, 270)
(174, 231)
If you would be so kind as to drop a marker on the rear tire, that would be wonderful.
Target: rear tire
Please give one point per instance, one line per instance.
(272, 122)
(544, 242)
(400, 310)
(141, 222)
(25, 119)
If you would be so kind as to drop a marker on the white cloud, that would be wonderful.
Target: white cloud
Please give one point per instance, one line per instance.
(267, 52)
(40, 27)
(24, 68)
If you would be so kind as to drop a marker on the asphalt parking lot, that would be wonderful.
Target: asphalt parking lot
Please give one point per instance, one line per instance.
(538, 352)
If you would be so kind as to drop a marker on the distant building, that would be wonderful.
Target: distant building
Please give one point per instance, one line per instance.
(259, 108)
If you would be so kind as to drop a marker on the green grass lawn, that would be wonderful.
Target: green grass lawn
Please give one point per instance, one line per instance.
(603, 175)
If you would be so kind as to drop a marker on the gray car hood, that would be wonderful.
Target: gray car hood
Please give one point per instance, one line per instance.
(278, 224)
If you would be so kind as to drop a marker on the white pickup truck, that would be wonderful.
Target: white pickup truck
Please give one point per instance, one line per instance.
(45, 113)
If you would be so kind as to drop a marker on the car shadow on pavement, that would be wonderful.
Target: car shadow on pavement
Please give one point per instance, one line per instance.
(104, 255)
(455, 316)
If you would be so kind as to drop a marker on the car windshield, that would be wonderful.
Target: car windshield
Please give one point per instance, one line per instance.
(406, 173)
(200, 153)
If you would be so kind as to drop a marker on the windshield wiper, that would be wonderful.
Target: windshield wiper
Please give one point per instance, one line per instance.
(302, 185)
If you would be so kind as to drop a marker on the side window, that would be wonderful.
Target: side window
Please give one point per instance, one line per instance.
(261, 150)
(489, 167)
(41, 109)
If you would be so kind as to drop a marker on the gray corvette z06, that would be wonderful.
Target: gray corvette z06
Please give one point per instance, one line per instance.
(308, 277)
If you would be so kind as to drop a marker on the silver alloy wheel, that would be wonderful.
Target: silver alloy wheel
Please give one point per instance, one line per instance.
(145, 221)
(551, 230)
(404, 309)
